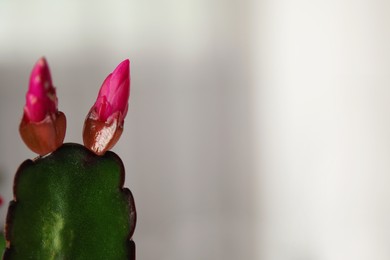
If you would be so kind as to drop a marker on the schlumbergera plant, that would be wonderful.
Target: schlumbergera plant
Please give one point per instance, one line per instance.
(69, 202)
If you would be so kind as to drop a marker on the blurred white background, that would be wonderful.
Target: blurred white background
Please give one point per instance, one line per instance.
(323, 129)
(256, 129)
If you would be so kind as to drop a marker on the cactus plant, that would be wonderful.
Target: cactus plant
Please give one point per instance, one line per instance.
(69, 203)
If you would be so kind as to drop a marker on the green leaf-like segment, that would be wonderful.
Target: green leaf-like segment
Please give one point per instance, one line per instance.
(2, 243)
(71, 204)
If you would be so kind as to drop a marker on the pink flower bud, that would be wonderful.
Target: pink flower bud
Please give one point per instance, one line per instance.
(114, 93)
(41, 99)
(43, 126)
(104, 123)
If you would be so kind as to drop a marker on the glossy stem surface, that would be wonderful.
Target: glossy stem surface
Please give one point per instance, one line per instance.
(71, 204)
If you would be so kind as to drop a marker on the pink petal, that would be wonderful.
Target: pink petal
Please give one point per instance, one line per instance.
(35, 108)
(114, 93)
(105, 88)
(41, 98)
(121, 97)
(40, 79)
(121, 73)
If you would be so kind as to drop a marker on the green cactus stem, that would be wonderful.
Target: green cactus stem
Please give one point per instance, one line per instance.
(2, 243)
(71, 204)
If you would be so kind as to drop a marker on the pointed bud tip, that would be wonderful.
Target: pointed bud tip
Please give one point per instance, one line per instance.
(125, 62)
(42, 61)
(41, 66)
(123, 69)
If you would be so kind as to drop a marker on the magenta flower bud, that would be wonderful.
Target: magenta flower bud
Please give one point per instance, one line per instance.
(104, 123)
(41, 99)
(43, 126)
(114, 93)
